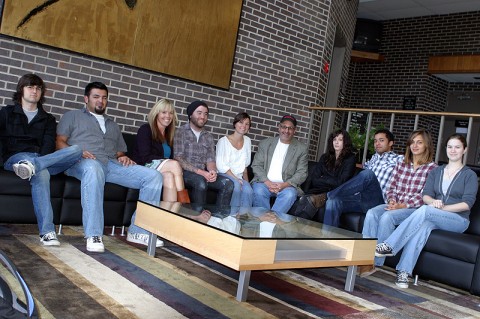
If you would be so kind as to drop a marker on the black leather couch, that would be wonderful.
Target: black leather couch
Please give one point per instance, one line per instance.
(16, 202)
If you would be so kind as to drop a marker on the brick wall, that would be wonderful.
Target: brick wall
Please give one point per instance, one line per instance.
(406, 45)
(277, 69)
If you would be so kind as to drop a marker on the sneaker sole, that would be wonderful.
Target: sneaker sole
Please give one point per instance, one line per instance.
(96, 250)
(51, 243)
(141, 242)
(22, 172)
(401, 285)
(383, 255)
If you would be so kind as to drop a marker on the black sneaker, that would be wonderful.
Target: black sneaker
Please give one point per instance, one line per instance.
(49, 239)
(402, 279)
(383, 250)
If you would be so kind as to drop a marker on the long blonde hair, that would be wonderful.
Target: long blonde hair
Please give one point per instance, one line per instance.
(160, 106)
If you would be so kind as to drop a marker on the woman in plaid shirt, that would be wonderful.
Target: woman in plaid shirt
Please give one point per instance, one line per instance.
(404, 194)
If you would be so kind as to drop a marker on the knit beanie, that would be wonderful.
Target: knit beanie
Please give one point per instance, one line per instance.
(193, 106)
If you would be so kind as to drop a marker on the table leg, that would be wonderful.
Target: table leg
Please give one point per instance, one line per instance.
(350, 280)
(152, 244)
(243, 282)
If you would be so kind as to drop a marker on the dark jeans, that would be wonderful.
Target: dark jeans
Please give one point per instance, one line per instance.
(198, 187)
(358, 194)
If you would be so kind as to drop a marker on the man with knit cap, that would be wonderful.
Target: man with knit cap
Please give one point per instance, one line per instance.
(194, 149)
(280, 166)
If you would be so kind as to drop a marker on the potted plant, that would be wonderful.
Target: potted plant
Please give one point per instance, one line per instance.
(358, 140)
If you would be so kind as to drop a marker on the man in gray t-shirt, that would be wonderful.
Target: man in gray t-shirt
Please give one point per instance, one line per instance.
(104, 160)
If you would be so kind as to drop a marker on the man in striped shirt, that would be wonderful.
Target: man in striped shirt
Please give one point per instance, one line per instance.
(367, 189)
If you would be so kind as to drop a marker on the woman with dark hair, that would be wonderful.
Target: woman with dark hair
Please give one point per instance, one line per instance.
(448, 196)
(233, 156)
(153, 148)
(404, 194)
(334, 168)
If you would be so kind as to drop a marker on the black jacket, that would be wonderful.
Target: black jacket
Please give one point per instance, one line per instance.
(146, 149)
(324, 180)
(17, 135)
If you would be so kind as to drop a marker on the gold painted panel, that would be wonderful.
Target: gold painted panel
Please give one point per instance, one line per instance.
(194, 40)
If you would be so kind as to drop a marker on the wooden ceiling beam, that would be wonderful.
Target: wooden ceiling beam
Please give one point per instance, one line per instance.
(364, 56)
(454, 64)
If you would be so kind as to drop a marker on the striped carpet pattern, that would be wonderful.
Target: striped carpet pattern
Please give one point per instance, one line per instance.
(124, 282)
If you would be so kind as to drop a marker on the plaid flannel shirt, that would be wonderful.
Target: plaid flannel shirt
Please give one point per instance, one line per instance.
(190, 153)
(382, 166)
(407, 184)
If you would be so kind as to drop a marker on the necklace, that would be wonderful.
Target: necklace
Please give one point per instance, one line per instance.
(451, 173)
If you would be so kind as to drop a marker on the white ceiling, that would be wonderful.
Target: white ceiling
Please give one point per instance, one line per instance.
(397, 9)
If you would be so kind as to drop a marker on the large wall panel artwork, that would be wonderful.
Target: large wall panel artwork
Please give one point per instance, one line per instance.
(190, 39)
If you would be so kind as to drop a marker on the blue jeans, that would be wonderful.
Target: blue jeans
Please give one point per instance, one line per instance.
(242, 195)
(413, 233)
(283, 202)
(198, 186)
(45, 166)
(93, 174)
(358, 194)
(380, 223)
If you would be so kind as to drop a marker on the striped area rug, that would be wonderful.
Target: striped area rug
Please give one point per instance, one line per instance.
(124, 282)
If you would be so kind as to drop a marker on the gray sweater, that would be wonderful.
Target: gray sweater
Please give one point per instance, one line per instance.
(463, 188)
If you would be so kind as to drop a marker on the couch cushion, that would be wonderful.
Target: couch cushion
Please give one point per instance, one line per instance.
(474, 227)
(454, 245)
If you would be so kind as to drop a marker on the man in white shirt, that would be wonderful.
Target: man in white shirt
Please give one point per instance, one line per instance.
(280, 166)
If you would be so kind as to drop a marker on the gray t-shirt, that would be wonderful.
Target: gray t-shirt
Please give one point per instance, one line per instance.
(30, 114)
(82, 129)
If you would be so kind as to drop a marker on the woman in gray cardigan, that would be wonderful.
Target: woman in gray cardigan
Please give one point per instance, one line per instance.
(449, 194)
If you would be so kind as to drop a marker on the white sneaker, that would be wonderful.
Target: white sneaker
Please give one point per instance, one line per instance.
(49, 239)
(24, 169)
(95, 244)
(142, 239)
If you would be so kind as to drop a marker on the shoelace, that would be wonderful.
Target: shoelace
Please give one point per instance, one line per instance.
(96, 240)
(402, 277)
(383, 247)
(48, 236)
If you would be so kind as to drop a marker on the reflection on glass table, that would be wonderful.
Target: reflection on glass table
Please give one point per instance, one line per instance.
(257, 222)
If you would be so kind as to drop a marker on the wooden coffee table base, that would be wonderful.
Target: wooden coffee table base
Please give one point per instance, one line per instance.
(247, 254)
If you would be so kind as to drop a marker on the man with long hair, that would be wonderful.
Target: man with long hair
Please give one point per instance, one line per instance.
(27, 146)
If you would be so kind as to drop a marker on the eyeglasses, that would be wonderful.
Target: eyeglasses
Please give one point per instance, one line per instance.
(34, 87)
(290, 128)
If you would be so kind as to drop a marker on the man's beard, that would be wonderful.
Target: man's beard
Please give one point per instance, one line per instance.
(99, 111)
(195, 122)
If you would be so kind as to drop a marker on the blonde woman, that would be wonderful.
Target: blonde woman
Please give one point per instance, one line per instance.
(154, 148)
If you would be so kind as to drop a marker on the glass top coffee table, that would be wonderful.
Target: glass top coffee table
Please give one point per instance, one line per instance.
(255, 238)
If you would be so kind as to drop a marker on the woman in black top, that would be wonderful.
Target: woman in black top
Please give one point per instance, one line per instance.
(334, 168)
